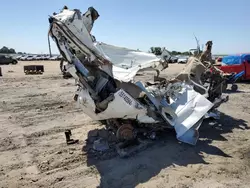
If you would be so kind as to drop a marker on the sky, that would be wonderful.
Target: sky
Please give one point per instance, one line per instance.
(136, 24)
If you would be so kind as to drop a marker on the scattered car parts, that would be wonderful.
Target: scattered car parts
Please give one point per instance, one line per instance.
(69, 140)
(65, 74)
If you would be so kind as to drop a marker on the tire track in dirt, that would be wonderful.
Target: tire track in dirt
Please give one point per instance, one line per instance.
(35, 154)
(27, 162)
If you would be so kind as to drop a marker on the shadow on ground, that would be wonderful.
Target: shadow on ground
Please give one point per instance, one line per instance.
(228, 91)
(240, 89)
(129, 172)
(214, 130)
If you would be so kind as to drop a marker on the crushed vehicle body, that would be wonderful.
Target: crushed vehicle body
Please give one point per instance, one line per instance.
(107, 91)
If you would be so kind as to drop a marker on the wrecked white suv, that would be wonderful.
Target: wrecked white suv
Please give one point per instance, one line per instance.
(107, 90)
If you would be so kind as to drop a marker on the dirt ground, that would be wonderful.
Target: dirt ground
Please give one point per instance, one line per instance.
(35, 110)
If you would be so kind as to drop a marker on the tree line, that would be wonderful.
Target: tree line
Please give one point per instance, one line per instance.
(158, 51)
(6, 50)
(154, 50)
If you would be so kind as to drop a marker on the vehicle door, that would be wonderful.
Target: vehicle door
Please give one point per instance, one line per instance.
(235, 67)
(247, 67)
(3, 59)
(8, 59)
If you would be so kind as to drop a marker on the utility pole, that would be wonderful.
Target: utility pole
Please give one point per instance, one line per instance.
(49, 47)
(198, 44)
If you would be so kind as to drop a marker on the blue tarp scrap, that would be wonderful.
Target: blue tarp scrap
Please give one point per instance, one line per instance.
(232, 60)
(235, 59)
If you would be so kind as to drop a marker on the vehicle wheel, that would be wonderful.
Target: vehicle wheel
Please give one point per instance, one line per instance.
(14, 62)
(234, 87)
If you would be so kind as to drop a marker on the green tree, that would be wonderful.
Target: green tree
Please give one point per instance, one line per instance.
(12, 51)
(175, 53)
(156, 50)
(6, 50)
(152, 50)
(186, 53)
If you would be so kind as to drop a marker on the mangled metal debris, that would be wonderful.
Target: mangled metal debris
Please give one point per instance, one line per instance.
(64, 72)
(107, 91)
(69, 140)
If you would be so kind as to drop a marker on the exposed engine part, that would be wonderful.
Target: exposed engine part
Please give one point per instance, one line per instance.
(125, 132)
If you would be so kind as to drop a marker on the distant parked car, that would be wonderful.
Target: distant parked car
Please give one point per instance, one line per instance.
(174, 59)
(30, 58)
(46, 57)
(19, 57)
(53, 58)
(38, 57)
(182, 59)
(26, 58)
(56, 58)
(42, 57)
(5, 60)
(23, 58)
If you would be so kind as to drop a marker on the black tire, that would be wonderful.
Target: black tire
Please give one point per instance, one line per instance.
(14, 62)
(234, 87)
